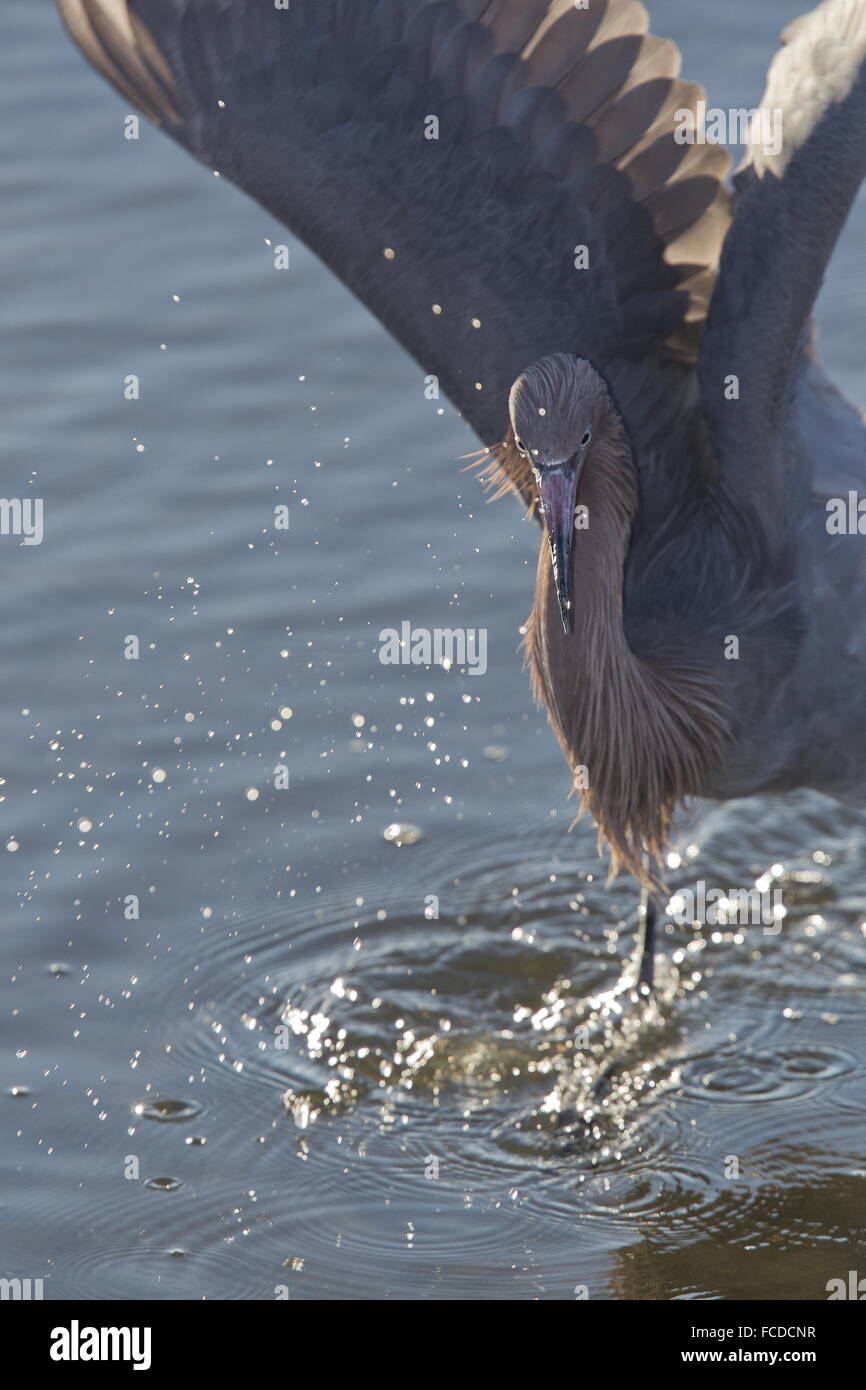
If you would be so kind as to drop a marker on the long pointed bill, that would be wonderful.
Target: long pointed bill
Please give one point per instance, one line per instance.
(557, 488)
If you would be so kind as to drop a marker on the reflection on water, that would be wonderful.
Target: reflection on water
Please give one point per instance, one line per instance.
(443, 1079)
(361, 1036)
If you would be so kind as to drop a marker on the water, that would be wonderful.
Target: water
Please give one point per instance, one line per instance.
(284, 1073)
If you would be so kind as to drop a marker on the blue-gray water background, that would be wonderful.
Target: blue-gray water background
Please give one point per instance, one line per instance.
(405, 1142)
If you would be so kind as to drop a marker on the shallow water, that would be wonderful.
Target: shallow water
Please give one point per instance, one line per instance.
(288, 1070)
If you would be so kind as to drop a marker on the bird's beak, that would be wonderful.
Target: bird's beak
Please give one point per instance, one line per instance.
(557, 489)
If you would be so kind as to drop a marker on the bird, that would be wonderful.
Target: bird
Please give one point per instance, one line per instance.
(527, 196)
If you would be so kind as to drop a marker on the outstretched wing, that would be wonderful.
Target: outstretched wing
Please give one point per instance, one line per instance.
(448, 159)
(794, 194)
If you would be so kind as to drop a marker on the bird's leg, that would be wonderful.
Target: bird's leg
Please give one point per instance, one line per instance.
(646, 942)
(648, 913)
(639, 976)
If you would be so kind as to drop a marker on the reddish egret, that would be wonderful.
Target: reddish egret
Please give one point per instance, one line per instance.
(522, 191)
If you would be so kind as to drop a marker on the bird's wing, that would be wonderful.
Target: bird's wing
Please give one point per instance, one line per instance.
(448, 159)
(805, 163)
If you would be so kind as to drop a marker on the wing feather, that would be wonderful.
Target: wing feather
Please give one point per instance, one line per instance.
(792, 204)
(554, 132)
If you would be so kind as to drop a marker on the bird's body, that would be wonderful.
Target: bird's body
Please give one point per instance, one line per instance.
(819, 723)
(503, 183)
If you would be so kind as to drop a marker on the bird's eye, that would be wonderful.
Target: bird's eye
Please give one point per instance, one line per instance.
(521, 449)
(586, 438)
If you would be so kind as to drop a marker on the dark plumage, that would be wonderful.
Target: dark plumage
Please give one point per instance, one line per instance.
(703, 634)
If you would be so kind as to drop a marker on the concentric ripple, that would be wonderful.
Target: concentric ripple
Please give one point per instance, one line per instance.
(353, 1084)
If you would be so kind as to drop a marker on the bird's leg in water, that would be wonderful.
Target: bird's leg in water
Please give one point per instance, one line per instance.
(645, 960)
(637, 982)
(646, 943)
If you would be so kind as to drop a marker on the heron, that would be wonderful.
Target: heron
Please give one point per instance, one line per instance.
(522, 191)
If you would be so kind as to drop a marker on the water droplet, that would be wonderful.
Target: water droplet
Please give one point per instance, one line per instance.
(162, 1108)
(401, 833)
(495, 754)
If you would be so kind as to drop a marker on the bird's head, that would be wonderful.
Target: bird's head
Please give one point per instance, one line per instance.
(557, 406)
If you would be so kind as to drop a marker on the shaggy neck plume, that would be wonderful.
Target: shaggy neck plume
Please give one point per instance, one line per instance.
(638, 734)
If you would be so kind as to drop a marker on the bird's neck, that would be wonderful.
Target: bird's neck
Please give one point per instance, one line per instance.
(639, 734)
